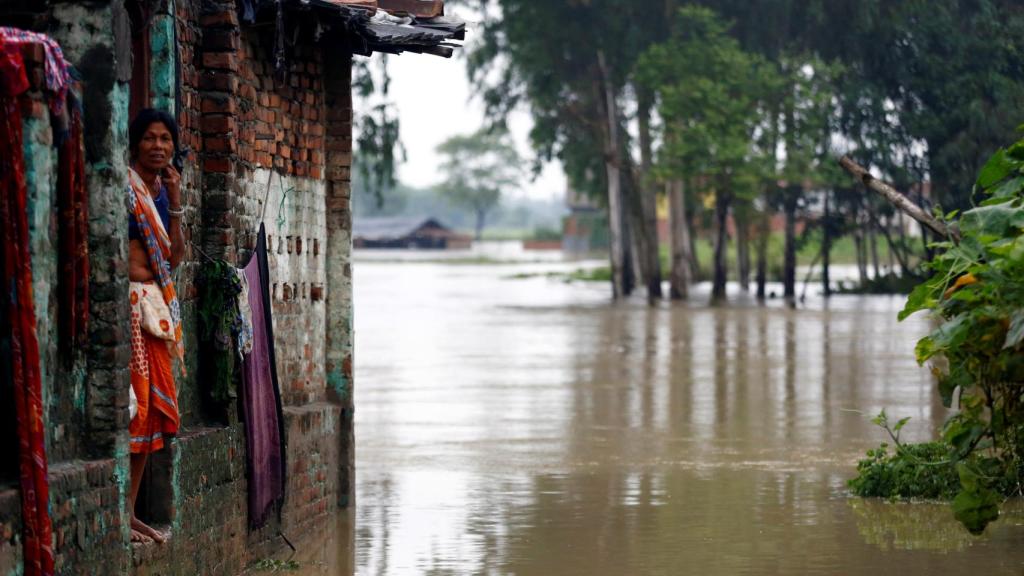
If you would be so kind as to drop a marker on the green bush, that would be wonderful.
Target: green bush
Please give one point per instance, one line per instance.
(976, 296)
(922, 471)
(546, 234)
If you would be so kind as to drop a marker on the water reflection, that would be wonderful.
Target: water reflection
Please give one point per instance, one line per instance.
(528, 427)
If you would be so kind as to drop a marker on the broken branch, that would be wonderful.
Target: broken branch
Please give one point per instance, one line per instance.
(898, 200)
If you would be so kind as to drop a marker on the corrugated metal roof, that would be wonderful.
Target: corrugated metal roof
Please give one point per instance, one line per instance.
(391, 26)
(392, 228)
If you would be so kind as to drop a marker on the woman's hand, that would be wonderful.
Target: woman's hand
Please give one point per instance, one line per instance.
(172, 181)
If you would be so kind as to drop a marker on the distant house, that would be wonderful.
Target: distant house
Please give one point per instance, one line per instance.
(421, 233)
(585, 229)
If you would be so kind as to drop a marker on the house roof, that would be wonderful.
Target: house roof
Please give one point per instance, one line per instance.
(392, 228)
(389, 26)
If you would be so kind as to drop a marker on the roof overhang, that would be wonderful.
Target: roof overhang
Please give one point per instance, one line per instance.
(389, 26)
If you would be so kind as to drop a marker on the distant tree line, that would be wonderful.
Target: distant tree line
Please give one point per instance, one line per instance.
(739, 109)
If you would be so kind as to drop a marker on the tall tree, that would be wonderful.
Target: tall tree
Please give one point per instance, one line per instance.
(905, 55)
(681, 245)
(711, 100)
(570, 62)
(478, 168)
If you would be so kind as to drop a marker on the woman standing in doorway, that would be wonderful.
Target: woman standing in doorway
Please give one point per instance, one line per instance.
(155, 248)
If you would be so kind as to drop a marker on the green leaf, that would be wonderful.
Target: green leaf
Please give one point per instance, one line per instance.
(962, 433)
(1016, 151)
(899, 425)
(921, 298)
(881, 419)
(958, 377)
(996, 169)
(924, 350)
(976, 505)
(1015, 334)
(994, 201)
(1009, 189)
(968, 477)
(991, 220)
(975, 510)
(946, 337)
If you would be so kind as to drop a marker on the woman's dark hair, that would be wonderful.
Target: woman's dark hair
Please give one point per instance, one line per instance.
(143, 120)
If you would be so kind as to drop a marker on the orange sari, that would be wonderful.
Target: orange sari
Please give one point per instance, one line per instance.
(152, 377)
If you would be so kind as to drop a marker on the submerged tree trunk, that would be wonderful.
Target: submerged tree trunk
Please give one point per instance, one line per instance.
(696, 274)
(634, 221)
(791, 198)
(873, 245)
(764, 230)
(862, 259)
(826, 245)
(742, 219)
(650, 256)
(894, 251)
(629, 274)
(767, 196)
(679, 232)
(481, 216)
(884, 227)
(789, 257)
(618, 239)
(723, 197)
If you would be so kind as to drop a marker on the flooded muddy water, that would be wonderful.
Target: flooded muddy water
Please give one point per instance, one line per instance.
(529, 426)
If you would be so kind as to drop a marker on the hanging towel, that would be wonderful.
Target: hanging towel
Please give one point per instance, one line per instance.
(261, 396)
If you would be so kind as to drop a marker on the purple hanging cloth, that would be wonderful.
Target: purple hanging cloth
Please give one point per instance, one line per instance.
(261, 396)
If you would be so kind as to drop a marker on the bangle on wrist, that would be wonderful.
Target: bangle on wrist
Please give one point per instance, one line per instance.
(176, 212)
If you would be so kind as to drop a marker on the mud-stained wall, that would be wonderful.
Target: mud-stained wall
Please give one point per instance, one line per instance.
(85, 393)
(243, 118)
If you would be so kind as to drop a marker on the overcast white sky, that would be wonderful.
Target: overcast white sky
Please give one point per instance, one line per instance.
(434, 100)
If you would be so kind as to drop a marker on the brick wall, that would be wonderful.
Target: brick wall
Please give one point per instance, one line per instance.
(338, 366)
(243, 120)
(86, 399)
(280, 124)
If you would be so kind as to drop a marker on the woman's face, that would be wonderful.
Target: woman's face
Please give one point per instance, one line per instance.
(156, 148)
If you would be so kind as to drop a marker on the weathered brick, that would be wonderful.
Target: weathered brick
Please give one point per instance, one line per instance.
(219, 144)
(220, 61)
(220, 40)
(218, 165)
(223, 18)
(218, 105)
(219, 81)
(218, 124)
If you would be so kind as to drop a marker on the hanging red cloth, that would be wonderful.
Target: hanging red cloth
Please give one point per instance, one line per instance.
(24, 345)
(73, 238)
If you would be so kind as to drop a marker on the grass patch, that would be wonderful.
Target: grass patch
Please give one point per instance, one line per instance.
(843, 252)
(271, 565)
(600, 274)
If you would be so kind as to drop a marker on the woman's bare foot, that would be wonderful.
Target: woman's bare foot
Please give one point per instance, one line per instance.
(147, 531)
(140, 538)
